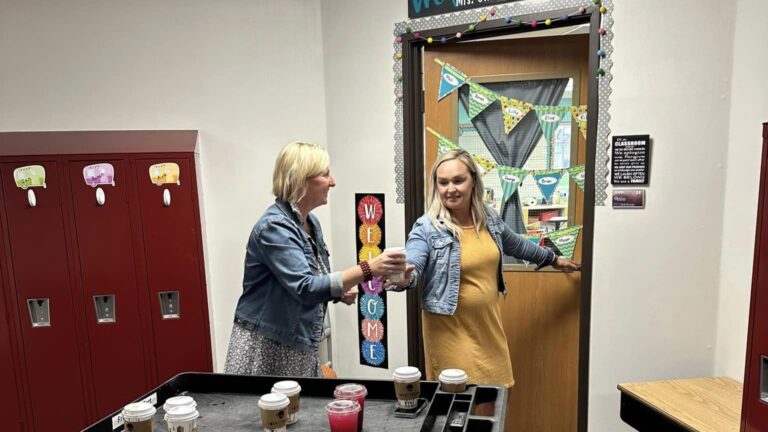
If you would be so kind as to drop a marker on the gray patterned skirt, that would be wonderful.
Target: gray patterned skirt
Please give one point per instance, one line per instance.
(253, 354)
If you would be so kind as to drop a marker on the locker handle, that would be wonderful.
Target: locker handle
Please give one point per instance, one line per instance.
(101, 198)
(166, 197)
(31, 198)
(105, 308)
(169, 304)
(39, 312)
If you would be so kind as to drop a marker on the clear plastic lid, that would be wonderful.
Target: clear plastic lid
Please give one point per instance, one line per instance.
(288, 388)
(181, 413)
(178, 401)
(342, 406)
(345, 391)
(453, 376)
(273, 401)
(407, 373)
(138, 411)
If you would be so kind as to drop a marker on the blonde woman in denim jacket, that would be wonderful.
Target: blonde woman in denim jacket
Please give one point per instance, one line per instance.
(457, 248)
(287, 282)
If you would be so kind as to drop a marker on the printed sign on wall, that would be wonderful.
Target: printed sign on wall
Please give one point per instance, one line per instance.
(99, 174)
(164, 173)
(372, 298)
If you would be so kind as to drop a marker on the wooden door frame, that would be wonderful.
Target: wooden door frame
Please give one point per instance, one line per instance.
(413, 144)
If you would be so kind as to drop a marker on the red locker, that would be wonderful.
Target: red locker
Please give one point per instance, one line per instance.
(754, 413)
(10, 408)
(40, 278)
(110, 292)
(174, 269)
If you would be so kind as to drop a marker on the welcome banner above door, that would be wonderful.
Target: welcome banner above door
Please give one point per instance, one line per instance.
(423, 8)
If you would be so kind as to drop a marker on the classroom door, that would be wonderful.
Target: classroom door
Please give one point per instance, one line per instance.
(541, 311)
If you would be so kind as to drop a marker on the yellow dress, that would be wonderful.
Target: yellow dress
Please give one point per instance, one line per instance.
(472, 339)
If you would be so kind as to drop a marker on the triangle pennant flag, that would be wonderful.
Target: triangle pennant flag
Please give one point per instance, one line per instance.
(535, 239)
(513, 111)
(547, 181)
(511, 179)
(484, 163)
(479, 99)
(450, 80)
(445, 145)
(550, 118)
(579, 114)
(565, 240)
(577, 174)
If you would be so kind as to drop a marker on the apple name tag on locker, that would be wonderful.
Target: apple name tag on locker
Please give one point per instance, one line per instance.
(97, 175)
(162, 174)
(29, 177)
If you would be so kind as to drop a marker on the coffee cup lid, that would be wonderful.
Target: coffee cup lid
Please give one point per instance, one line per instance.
(349, 390)
(453, 376)
(181, 413)
(288, 388)
(273, 401)
(407, 373)
(342, 406)
(178, 401)
(138, 411)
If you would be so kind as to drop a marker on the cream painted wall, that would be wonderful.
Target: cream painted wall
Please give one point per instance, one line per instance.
(248, 75)
(749, 109)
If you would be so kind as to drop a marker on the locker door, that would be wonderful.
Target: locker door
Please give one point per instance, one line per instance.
(177, 299)
(41, 279)
(10, 408)
(110, 292)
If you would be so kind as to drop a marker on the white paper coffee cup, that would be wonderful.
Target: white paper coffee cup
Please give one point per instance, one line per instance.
(139, 416)
(292, 390)
(453, 380)
(407, 386)
(182, 419)
(396, 277)
(273, 406)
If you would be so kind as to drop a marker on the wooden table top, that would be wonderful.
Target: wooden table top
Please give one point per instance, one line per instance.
(700, 404)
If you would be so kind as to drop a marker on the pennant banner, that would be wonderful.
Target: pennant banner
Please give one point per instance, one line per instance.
(513, 111)
(480, 98)
(511, 179)
(550, 118)
(565, 240)
(579, 114)
(577, 175)
(547, 181)
(450, 80)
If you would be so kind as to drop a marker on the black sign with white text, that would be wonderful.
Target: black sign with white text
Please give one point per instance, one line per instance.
(630, 158)
(423, 8)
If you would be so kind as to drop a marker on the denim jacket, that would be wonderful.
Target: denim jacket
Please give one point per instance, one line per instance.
(285, 285)
(437, 256)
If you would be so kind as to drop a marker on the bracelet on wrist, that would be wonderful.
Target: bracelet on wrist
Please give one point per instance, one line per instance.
(367, 273)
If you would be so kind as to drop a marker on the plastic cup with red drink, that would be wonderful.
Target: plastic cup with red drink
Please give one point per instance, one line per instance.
(355, 392)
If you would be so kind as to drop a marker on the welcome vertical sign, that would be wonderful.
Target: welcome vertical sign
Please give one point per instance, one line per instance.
(372, 298)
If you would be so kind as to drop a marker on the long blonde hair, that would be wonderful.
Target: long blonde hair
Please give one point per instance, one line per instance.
(295, 163)
(440, 216)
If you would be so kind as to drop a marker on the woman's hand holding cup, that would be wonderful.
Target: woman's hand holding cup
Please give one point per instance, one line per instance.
(389, 262)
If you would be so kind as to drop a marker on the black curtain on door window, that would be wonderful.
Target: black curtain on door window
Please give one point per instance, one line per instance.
(514, 149)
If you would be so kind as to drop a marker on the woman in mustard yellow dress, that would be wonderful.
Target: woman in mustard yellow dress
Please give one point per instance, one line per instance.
(456, 247)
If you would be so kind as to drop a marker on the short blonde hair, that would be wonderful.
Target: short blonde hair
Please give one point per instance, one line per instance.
(436, 211)
(295, 163)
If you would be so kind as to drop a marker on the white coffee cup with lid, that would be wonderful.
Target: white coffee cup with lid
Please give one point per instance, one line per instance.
(292, 390)
(182, 418)
(407, 386)
(274, 415)
(139, 416)
(453, 380)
